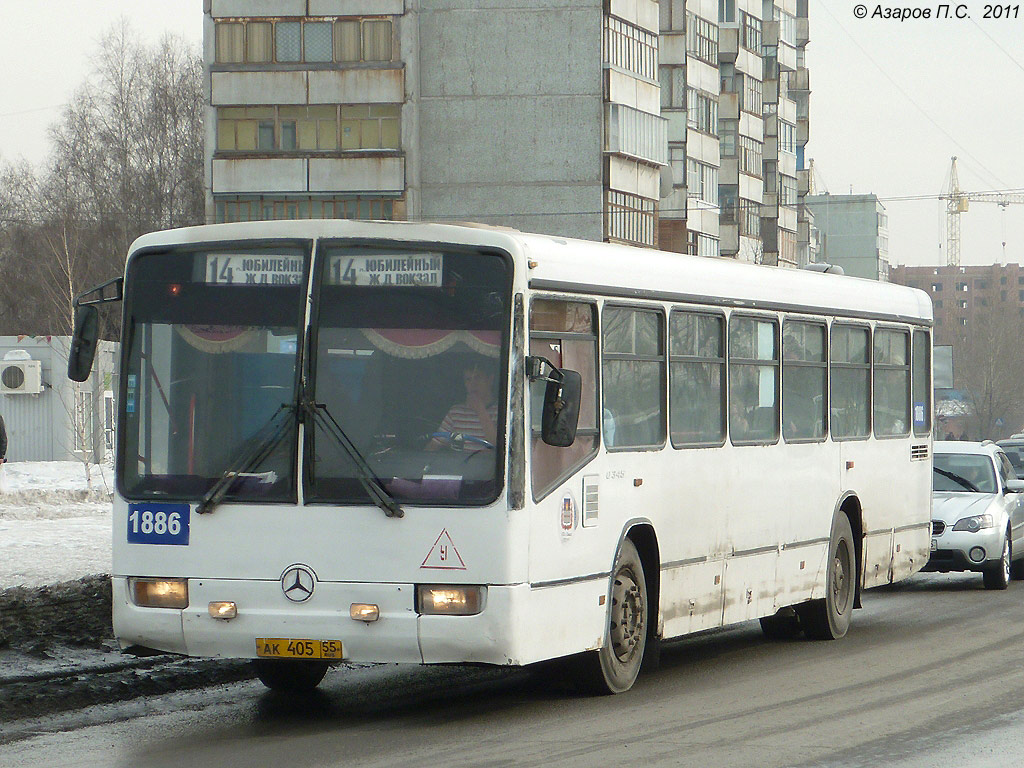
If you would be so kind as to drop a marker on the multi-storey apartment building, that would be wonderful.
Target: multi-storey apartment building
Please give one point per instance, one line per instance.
(548, 116)
(961, 296)
(853, 232)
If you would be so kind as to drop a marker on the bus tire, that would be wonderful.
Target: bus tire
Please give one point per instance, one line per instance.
(998, 575)
(829, 618)
(782, 625)
(614, 668)
(299, 676)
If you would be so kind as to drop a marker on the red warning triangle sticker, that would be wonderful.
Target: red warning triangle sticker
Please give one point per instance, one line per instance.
(443, 555)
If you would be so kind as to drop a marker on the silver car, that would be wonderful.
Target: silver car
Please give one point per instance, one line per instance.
(977, 513)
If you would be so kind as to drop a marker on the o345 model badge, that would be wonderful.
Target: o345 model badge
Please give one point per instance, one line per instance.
(298, 583)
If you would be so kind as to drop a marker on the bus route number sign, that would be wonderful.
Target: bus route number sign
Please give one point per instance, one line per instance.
(155, 523)
(387, 270)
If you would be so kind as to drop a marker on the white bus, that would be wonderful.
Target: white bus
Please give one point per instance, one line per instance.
(409, 442)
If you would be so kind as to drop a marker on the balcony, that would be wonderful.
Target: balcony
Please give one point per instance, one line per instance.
(728, 43)
(800, 81)
(803, 182)
(729, 106)
(802, 31)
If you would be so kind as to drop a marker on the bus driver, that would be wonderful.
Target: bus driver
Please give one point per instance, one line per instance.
(477, 416)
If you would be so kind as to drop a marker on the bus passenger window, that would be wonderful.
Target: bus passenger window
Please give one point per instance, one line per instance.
(803, 380)
(753, 380)
(851, 381)
(696, 379)
(921, 400)
(563, 332)
(633, 367)
(892, 383)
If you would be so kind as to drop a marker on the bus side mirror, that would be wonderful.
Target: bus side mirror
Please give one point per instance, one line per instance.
(561, 413)
(83, 342)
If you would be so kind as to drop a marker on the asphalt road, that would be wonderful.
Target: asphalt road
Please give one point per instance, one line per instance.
(931, 673)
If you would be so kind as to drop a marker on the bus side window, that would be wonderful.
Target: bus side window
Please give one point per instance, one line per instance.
(850, 381)
(753, 380)
(803, 380)
(633, 372)
(892, 383)
(696, 379)
(564, 333)
(921, 400)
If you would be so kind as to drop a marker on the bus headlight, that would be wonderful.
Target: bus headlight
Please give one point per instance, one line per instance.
(449, 600)
(158, 593)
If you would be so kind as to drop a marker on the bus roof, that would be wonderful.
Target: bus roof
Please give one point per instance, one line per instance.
(608, 269)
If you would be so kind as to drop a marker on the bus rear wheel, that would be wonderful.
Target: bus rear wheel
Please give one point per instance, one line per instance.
(829, 617)
(614, 668)
(298, 676)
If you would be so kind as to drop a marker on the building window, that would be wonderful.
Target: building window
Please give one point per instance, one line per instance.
(702, 39)
(727, 11)
(701, 181)
(936, 287)
(962, 303)
(787, 26)
(631, 48)
(309, 129)
(750, 218)
(787, 187)
(228, 208)
(673, 87)
(707, 246)
(961, 286)
(750, 156)
(701, 111)
(787, 137)
(314, 42)
(750, 32)
(787, 246)
(629, 218)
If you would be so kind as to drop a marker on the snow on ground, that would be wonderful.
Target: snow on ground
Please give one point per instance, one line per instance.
(53, 526)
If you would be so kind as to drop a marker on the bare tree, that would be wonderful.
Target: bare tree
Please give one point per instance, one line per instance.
(126, 158)
(989, 361)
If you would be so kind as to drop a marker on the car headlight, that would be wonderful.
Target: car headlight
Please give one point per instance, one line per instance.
(974, 523)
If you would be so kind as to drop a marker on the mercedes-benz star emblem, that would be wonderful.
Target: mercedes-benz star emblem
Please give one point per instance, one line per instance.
(298, 583)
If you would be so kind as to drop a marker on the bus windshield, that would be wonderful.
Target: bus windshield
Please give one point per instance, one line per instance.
(212, 349)
(409, 364)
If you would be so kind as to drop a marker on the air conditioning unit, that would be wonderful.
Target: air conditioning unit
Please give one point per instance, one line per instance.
(21, 377)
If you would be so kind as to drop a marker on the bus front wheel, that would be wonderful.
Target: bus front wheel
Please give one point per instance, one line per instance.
(614, 668)
(297, 676)
(829, 618)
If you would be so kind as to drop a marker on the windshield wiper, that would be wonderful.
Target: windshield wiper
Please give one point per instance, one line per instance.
(252, 453)
(959, 480)
(366, 476)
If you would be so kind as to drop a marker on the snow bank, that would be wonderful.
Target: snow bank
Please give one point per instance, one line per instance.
(54, 522)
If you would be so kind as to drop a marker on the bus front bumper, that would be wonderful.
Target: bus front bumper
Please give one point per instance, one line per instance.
(400, 634)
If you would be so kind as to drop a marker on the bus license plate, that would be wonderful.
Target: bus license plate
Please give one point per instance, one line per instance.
(935, 545)
(290, 648)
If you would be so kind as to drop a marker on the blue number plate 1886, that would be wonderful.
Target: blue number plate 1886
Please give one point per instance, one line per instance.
(156, 523)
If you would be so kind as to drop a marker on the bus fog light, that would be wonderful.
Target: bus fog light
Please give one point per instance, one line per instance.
(977, 554)
(158, 593)
(447, 600)
(223, 609)
(364, 612)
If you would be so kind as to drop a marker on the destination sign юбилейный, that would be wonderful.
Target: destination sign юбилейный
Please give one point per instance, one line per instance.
(398, 269)
(240, 269)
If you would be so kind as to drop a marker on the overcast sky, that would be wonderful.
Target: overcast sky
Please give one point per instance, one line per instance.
(891, 102)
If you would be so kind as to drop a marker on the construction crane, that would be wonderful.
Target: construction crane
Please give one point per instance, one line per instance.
(957, 202)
